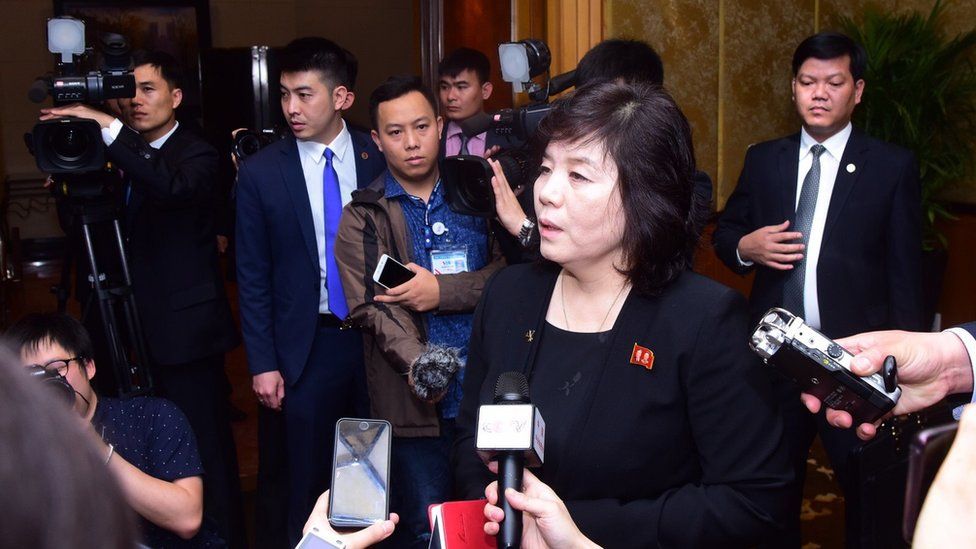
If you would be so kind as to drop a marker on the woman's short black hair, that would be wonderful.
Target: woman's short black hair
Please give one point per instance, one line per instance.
(649, 139)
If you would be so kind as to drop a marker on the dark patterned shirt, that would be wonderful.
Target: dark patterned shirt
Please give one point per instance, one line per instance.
(154, 436)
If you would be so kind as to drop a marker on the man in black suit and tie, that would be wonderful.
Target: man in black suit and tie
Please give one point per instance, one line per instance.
(289, 199)
(830, 219)
(168, 197)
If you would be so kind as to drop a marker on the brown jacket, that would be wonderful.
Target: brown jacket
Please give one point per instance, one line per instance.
(393, 336)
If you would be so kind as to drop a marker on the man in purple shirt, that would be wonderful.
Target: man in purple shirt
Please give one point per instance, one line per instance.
(462, 89)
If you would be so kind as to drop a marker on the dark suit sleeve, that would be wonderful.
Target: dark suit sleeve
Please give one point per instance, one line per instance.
(470, 474)
(744, 468)
(190, 177)
(905, 250)
(254, 275)
(737, 220)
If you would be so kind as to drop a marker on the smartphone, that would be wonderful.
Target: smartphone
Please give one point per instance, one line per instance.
(925, 456)
(390, 273)
(316, 539)
(360, 494)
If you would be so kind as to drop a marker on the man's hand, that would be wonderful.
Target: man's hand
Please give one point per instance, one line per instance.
(946, 519)
(222, 244)
(369, 536)
(931, 366)
(509, 211)
(270, 389)
(421, 293)
(545, 520)
(80, 111)
(770, 246)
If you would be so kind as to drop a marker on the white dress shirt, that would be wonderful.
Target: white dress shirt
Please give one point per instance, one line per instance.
(829, 164)
(312, 155)
(110, 133)
(970, 343)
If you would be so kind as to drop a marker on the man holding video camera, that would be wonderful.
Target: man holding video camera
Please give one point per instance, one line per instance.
(168, 197)
(146, 442)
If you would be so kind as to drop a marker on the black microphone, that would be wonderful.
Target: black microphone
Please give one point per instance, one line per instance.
(472, 126)
(512, 432)
(562, 82)
(38, 90)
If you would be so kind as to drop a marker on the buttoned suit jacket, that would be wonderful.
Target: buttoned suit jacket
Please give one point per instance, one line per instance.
(277, 257)
(169, 219)
(869, 270)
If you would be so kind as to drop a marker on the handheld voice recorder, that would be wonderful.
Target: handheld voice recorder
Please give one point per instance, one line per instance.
(822, 368)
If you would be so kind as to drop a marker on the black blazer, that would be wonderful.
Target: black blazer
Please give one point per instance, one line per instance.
(169, 217)
(869, 272)
(277, 258)
(687, 453)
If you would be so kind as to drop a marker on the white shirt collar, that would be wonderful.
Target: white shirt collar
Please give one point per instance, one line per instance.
(158, 144)
(340, 145)
(834, 144)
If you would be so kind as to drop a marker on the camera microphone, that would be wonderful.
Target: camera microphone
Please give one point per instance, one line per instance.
(479, 123)
(512, 432)
(38, 90)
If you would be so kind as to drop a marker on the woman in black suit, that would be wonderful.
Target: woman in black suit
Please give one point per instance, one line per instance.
(660, 426)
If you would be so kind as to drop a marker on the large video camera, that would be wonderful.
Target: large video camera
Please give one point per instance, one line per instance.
(467, 179)
(71, 145)
(89, 189)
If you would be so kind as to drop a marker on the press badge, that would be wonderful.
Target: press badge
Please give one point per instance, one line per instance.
(449, 261)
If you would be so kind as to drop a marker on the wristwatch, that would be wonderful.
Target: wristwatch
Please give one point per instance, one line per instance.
(525, 232)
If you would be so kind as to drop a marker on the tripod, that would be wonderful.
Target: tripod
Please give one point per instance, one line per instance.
(89, 206)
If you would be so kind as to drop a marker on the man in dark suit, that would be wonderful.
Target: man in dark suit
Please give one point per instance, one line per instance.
(289, 198)
(830, 220)
(168, 197)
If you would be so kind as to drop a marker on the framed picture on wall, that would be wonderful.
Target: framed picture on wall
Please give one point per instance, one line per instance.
(178, 27)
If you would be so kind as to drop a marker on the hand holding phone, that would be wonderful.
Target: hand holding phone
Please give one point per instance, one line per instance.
(390, 273)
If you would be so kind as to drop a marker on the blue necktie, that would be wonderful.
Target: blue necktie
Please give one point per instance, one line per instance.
(333, 210)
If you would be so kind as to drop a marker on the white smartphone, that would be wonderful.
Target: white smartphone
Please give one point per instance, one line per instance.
(316, 539)
(390, 273)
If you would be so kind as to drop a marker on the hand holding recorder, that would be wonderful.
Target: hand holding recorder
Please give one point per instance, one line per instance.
(931, 366)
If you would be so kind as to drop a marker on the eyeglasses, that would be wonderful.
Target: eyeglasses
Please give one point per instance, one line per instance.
(58, 366)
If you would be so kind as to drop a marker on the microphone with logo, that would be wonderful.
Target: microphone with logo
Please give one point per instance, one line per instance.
(512, 432)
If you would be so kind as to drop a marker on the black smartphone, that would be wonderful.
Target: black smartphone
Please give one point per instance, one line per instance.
(928, 450)
(360, 494)
(390, 273)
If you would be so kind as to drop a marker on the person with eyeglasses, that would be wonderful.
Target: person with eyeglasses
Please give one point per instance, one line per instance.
(147, 442)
